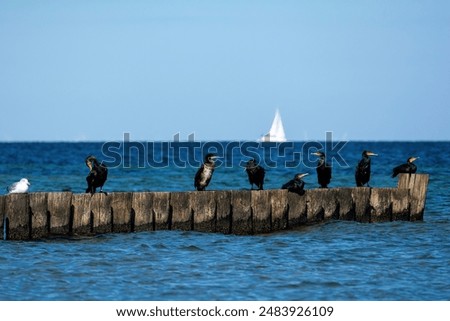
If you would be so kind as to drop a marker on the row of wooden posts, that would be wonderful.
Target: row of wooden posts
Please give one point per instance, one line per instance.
(243, 212)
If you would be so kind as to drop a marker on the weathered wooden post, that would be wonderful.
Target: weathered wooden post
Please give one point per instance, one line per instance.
(417, 185)
(223, 211)
(203, 205)
(260, 204)
(330, 204)
(380, 205)
(180, 206)
(122, 219)
(40, 216)
(241, 212)
(314, 210)
(162, 210)
(345, 203)
(101, 213)
(59, 205)
(142, 207)
(17, 217)
(361, 199)
(297, 212)
(82, 214)
(400, 204)
(279, 209)
(2, 216)
(321, 205)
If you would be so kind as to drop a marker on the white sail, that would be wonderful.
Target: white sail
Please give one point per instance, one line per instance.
(276, 133)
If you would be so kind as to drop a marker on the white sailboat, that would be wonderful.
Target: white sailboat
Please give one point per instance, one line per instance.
(276, 133)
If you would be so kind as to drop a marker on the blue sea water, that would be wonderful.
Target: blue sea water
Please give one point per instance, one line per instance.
(336, 260)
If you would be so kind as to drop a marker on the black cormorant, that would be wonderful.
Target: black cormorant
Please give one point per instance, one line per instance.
(204, 173)
(98, 173)
(362, 173)
(408, 168)
(255, 174)
(323, 170)
(296, 185)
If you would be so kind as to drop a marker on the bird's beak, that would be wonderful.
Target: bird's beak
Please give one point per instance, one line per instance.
(414, 158)
(371, 154)
(315, 153)
(303, 175)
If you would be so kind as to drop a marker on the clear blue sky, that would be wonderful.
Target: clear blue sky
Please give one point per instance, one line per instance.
(92, 70)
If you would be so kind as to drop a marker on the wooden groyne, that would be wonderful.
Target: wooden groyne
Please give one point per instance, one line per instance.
(41, 215)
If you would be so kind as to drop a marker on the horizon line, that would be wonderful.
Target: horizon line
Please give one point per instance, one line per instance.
(229, 140)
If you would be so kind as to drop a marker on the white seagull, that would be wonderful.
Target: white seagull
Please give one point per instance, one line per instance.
(19, 187)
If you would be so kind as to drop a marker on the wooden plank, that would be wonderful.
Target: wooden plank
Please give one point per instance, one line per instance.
(314, 209)
(101, 213)
(380, 205)
(121, 210)
(260, 203)
(40, 220)
(361, 199)
(297, 211)
(241, 212)
(330, 204)
(181, 211)
(418, 185)
(2, 215)
(59, 207)
(223, 211)
(81, 209)
(345, 202)
(161, 210)
(203, 205)
(142, 207)
(418, 194)
(400, 204)
(17, 216)
(321, 205)
(406, 181)
(279, 209)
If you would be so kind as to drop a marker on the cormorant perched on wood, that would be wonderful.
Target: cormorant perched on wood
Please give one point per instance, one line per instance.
(205, 172)
(362, 173)
(323, 170)
(98, 173)
(408, 168)
(296, 185)
(255, 174)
